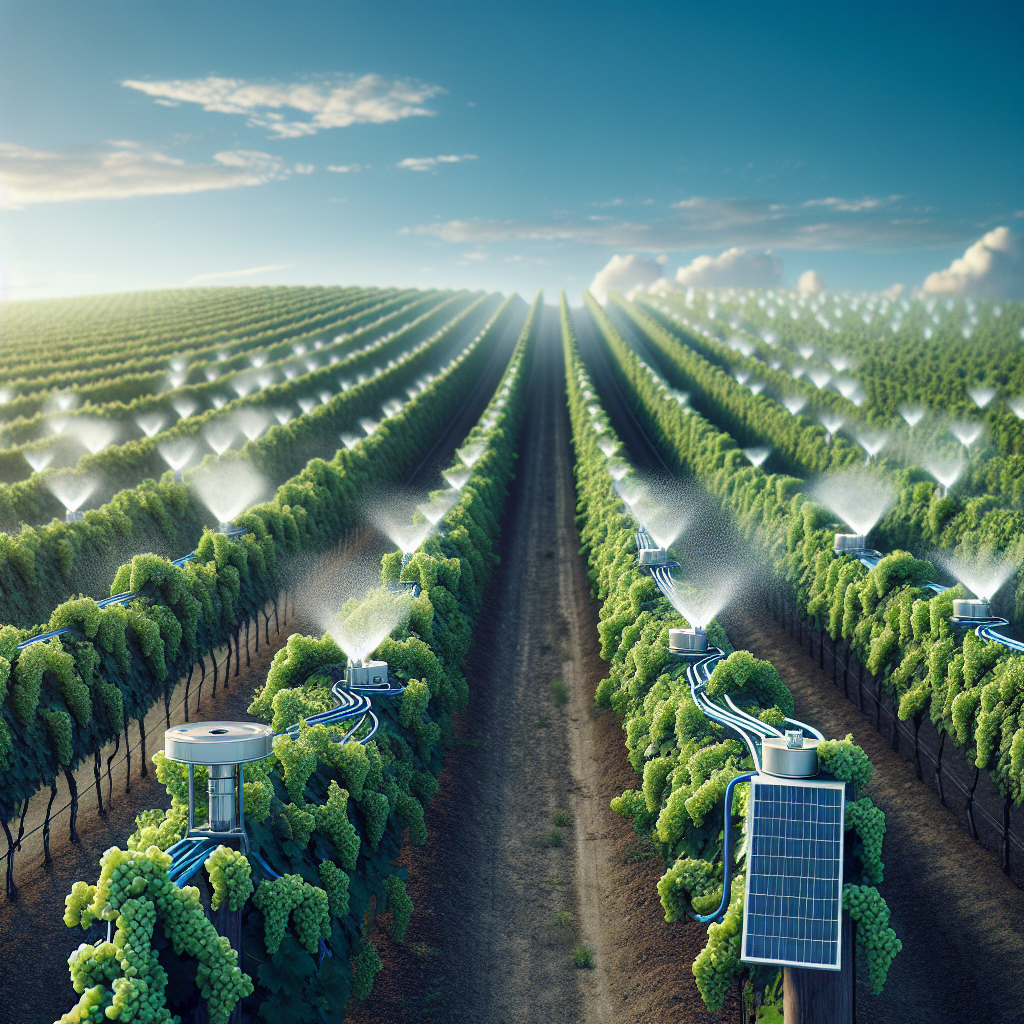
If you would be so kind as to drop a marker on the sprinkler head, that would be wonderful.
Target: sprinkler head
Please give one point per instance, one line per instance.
(369, 673)
(652, 556)
(225, 527)
(73, 515)
(968, 609)
(847, 542)
(179, 476)
(688, 641)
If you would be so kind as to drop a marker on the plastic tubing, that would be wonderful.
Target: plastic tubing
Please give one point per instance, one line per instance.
(726, 853)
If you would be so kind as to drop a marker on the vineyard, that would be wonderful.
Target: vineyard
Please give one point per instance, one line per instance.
(377, 654)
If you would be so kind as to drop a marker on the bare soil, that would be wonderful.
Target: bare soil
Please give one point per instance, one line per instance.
(485, 943)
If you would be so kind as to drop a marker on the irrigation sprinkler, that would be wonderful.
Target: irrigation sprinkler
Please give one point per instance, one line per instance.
(366, 673)
(688, 643)
(222, 748)
(970, 611)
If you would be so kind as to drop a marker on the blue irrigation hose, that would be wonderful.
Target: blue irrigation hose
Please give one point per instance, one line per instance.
(727, 853)
(234, 533)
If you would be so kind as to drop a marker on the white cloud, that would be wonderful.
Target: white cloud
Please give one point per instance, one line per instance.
(122, 169)
(334, 102)
(894, 291)
(721, 223)
(428, 163)
(993, 267)
(347, 168)
(734, 268)
(476, 256)
(624, 274)
(248, 272)
(850, 205)
(810, 281)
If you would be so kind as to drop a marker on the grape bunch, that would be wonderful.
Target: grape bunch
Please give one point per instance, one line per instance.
(332, 821)
(718, 962)
(298, 760)
(123, 979)
(869, 823)
(307, 905)
(230, 877)
(874, 936)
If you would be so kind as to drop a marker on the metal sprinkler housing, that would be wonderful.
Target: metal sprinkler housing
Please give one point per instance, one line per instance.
(222, 748)
(688, 641)
(846, 543)
(73, 515)
(971, 608)
(651, 557)
(367, 673)
(792, 756)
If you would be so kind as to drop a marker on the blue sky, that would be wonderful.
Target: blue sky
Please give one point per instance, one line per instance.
(507, 146)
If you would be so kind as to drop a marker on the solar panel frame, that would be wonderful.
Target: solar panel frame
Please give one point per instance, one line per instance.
(820, 932)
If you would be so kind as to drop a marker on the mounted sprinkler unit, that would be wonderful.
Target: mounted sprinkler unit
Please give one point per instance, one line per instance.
(849, 543)
(686, 642)
(649, 558)
(222, 748)
(366, 673)
(792, 756)
(179, 476)
(970, 611)
(73, 515)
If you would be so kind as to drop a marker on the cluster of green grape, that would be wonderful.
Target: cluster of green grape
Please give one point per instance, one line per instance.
(869, 823)
(718, 962)
(399, 905)
(307, 904)
(139, 993)
(298, 761)
(134, 890)
(874, 936)
(301, 823)
(334, 882)
(846, 761)
(332, 821)
(230, 877)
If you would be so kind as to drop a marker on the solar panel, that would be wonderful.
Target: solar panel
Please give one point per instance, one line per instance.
(793, 889)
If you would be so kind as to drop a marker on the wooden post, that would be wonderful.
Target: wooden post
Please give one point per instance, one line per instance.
(821, 997)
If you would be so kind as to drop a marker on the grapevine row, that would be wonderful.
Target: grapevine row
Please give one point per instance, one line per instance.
(969, 690)
(40, 564)
(62, 700)
(325, 819)
(685, 760)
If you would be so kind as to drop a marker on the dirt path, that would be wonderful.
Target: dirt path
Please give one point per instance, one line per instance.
(485, 944)
(961, 920)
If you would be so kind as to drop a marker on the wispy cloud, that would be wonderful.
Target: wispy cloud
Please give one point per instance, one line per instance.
(248, 272)
(700, 221)
(851, 205)
(428, 163)
(336, 101)
(347, 168)
(118, 170)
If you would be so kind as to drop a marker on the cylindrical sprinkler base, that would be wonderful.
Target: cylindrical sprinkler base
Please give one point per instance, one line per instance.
(223, 797)
(965, 608)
